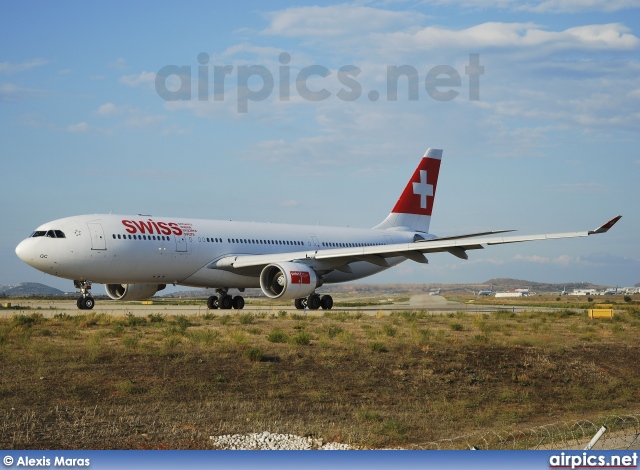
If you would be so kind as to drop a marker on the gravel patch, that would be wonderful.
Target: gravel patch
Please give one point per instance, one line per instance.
(269, 441)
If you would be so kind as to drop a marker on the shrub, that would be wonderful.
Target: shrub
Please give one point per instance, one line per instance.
(457, 326)
(28, 320)
(377, 346)
(205, 336)
(334, 330)
(132, 320)
(225, 319)
(245, 319)
(389, 330)
(156, 317)
(627, 298)
(130, 342)
(254, 354)
(277, 336)
(301, 338)
(395, 428)
(183, 322)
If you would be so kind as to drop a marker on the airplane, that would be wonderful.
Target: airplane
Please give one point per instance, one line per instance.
(610, 291)
(435, 292)
(137, 256)
(486, 292)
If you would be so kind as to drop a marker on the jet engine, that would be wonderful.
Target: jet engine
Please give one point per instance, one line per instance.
(288, 281)
(132, 291)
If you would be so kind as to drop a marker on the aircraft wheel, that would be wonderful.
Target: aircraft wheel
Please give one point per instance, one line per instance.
(313, 302)
(80, 303)
(326, 302)
(225, 302)
(89, 303)
(212, 302)
(299, 303)
(238, 302)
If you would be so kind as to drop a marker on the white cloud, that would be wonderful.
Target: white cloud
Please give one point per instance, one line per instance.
(575, 6)
(143, 120)
(336, 20)
(289, 203)
(142, 78)
(78, 128)
(9, 68)
(611, 36)
(11, 93)
(119, 64)
(563, 260)
(110, 109)
(133, 117)
(542, 6)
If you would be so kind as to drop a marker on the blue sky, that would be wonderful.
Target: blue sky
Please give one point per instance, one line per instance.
(550, 145)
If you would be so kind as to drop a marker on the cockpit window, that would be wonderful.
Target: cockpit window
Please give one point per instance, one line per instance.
(48, 234)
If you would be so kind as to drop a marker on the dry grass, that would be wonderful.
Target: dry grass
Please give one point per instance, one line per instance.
(87, 381)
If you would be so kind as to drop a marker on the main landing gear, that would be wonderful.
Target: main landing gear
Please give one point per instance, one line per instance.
(85, 302)
(225, 301)
(314, 302)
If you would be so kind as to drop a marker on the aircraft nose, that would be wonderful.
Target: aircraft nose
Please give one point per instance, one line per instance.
(26, 251)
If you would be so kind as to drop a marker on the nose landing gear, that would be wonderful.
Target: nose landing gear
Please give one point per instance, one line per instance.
(85, 302)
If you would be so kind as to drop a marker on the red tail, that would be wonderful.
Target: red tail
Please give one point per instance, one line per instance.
(413, 209)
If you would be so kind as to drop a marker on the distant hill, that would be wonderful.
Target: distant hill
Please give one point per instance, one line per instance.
(28, 288)
(498, 284)
(504, 284)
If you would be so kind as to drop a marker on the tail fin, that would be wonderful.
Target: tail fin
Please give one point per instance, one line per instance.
(413, 209)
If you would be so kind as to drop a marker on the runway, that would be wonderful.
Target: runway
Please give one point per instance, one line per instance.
(433, 304)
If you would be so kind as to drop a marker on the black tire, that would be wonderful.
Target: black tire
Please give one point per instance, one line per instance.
(313, 302)
(225, 302)
(326, 302)
(80, 303)
(89, 303)
(299, 303)
(212, 302)
(238, 302)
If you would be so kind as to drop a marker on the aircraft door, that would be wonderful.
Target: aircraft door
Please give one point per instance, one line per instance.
(314, 242)
(181, 243)
(97, 236)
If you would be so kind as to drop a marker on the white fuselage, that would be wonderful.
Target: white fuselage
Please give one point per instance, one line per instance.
(110, 248)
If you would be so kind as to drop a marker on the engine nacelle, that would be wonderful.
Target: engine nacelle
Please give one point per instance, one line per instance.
(132, 291)
(288, 281)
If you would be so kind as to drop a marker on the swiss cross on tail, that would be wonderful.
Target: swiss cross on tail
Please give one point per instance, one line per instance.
(418, 195)
(413, 209)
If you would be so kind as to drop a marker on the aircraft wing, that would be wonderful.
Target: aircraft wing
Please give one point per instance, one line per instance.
(338, 258)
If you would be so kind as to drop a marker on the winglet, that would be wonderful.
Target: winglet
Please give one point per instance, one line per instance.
(605, 227)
